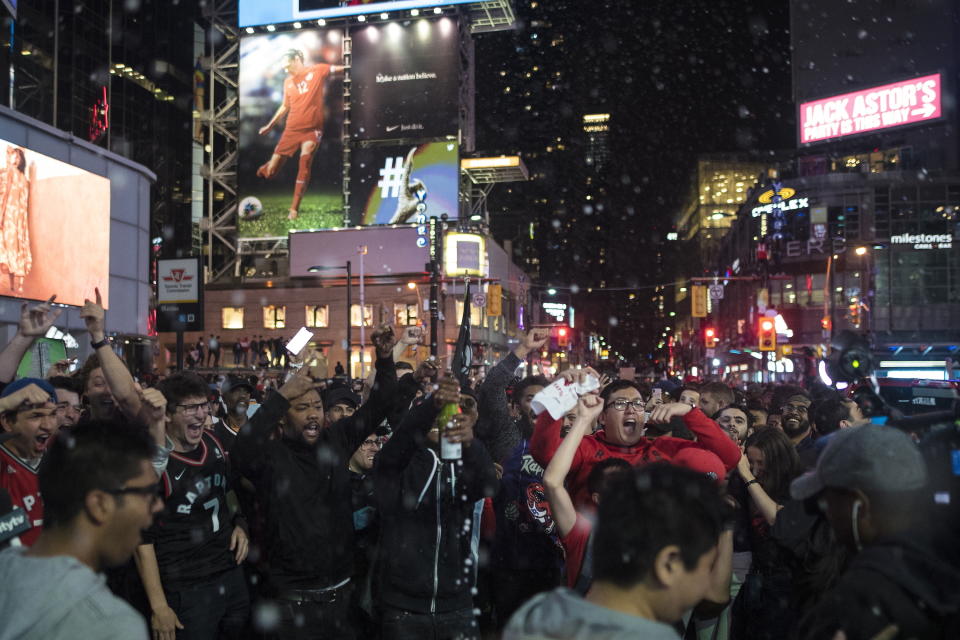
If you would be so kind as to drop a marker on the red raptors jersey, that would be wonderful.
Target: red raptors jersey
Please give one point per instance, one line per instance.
(20, 480)
(303, 95)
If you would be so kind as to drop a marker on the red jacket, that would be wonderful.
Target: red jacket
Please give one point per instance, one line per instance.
(546, 439)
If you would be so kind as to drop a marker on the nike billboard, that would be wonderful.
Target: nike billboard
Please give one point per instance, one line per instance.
(404, 184)
(406, 80)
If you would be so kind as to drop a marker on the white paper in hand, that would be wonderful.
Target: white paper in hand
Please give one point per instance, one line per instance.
(558, 397)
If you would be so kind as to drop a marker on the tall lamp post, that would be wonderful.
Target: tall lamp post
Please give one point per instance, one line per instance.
(337, 267)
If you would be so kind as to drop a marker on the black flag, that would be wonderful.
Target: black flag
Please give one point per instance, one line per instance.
(463, 352)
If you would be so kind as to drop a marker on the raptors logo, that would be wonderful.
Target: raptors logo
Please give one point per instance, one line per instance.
(539, 508)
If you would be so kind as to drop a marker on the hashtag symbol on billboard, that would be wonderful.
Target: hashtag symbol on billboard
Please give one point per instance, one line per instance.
(391, 178)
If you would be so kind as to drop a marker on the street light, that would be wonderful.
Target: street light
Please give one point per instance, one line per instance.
(860, 251)
(336, 267)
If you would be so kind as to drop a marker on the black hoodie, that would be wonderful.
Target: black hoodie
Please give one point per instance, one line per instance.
(305, 490)
(899, 581)
(429, 511)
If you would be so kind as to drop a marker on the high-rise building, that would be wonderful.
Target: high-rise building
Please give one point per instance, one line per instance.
(120, 75)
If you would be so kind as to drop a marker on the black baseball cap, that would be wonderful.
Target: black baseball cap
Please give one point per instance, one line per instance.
(233, 381)
(340, 395)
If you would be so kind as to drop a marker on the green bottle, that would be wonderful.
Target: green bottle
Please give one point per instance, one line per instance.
(448, 450)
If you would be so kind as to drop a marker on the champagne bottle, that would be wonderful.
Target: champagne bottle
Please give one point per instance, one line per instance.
(448, 450)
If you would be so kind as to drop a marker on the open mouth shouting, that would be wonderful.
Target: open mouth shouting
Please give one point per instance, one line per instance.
(311, 431)
(41, 440)
(632, 427)
(193, 432)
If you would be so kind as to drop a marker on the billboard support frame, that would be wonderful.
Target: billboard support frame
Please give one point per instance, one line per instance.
(221, 119)
(347, 56)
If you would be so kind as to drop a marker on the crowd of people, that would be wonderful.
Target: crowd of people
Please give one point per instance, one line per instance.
(419, 504)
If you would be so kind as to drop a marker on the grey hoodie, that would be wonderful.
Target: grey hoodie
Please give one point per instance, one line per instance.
(563, 615)
(53, 598)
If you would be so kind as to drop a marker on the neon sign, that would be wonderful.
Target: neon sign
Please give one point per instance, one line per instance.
(99, 117)
(874, 109)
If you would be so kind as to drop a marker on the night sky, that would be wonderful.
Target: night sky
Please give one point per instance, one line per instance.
(679, 78)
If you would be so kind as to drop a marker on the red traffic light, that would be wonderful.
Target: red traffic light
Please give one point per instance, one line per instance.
(562, 331)
(766, 325)
(767, 334)
(710, 333)
(710, 338)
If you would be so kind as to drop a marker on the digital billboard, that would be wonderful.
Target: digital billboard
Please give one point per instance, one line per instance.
(54, 228)
(388, 182)
(890, 105)
(405, 80)
(291, 116)
(252, 13)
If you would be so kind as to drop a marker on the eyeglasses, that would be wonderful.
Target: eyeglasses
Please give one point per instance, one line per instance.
(200, 407)
(370, 444)
(151, 491)
(799, 408)
(620, 404)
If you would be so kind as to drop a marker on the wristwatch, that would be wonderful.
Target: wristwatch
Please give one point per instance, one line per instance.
(102, 343)
(752, 482)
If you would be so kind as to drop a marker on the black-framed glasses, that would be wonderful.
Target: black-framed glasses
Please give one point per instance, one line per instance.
(194, 408)
(369, 443)
(151, 491)
(799, 408)
(620, 404)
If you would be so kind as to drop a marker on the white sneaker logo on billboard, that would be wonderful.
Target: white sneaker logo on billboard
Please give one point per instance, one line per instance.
(391, 177)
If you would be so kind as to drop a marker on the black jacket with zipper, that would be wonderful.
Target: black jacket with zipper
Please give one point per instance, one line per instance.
(305, 490)
(429, 510)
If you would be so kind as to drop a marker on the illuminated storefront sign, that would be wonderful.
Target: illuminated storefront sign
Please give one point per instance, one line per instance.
(793, 204)
(924, 240)
(883, 107)
(556, 309)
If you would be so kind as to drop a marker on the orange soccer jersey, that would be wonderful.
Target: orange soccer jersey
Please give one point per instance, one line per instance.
(303, 96)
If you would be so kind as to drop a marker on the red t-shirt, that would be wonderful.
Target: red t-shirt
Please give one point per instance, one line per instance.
(594, 448)
(303, 95)
(575, 546)
(20, 481)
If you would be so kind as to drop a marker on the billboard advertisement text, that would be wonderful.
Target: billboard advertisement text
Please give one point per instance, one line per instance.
(891, 105)
(291, 115)
(405, 80)
(389, 182)
(54, 228)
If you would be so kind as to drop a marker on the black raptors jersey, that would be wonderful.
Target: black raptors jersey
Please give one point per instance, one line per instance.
(191, 535)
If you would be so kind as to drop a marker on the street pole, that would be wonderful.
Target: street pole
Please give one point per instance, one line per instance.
(349, 306)
(362, 250)
(436, 251)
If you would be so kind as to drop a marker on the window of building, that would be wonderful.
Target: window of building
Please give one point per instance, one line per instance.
(231, 317)
(367, 315)
(404, 314)
(317, 315)
(355, 370)
(274, 317)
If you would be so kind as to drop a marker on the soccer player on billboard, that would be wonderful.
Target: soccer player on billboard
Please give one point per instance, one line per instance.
(303, 96)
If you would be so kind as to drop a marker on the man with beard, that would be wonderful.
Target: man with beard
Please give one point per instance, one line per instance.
(498, 431)
(236, 392)
(714, 396)
(303, 483)
(366, 528)
(795, 421)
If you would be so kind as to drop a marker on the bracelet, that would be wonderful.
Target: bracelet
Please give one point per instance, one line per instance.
(102, 343)
(752, 482)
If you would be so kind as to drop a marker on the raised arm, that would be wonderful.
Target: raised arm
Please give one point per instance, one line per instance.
(766, 505)
(492, 394)
(561, 504)
(34, 323)
(352, 430)
(121, 383)
(709, 434)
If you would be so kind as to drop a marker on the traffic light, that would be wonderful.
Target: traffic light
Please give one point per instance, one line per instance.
(710, 338)
(767, 334)
(850, 358)
(563, 337)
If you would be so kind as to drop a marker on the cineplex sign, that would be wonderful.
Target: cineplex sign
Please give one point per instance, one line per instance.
(890, 105)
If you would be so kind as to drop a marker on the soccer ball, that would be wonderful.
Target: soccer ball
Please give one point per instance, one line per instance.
(250, 208)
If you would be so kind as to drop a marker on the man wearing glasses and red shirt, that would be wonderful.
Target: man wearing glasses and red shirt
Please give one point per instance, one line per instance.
(621, 435)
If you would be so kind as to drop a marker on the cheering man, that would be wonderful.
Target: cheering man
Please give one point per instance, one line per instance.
(303, 93)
